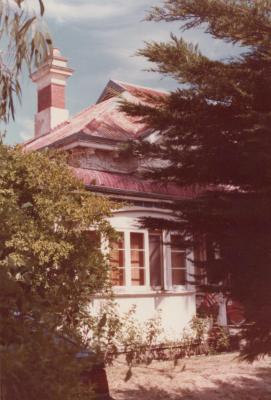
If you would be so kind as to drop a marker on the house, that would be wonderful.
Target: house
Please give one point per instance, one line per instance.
(146, 271)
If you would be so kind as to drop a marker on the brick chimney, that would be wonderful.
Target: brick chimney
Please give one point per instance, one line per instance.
(51, 80)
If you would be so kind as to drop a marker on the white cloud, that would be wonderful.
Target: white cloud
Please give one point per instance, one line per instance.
(26, 128)
(64, 10)
(100, 38)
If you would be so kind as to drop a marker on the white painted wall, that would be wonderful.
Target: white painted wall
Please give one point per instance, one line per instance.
(176, 309)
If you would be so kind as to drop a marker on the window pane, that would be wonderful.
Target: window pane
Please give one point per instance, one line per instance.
(138, 276)
(117, 276)
(178, 277)
(117, 261)
(137, 241)
(177, 259)
(117, 258)
(155, 260)
(137, 258)
(175, 241)
(118, 244)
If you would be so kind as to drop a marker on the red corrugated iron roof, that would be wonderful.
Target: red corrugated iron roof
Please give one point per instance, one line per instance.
(103, 120)
(143, 91)
(129, 183)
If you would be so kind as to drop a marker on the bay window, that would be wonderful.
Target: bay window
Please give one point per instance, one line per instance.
(145, 259)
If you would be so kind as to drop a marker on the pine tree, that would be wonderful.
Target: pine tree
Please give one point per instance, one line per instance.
(215, 134)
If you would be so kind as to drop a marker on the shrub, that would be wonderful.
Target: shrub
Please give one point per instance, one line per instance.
(218, 339)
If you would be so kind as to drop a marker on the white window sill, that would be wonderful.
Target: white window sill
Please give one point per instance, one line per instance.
(149, 292)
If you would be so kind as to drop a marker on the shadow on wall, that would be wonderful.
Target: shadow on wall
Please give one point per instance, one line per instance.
(257, 387)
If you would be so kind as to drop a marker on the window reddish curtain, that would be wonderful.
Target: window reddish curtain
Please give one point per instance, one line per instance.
(137, 259)
(155, 249)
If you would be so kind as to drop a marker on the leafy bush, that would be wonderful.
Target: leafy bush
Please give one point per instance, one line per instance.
(49, 269)
(200, 328)
(113, 334)
(218, 339)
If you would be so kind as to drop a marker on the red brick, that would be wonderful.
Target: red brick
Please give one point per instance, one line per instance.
(51, 96)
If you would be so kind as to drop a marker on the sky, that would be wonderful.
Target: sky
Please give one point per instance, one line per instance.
(100, 38)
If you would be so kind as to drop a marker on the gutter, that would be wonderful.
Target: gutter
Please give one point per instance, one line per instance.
(131, 193)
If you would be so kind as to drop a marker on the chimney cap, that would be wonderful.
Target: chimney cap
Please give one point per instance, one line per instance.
(56, 55)
(56, 52)
(56, 64)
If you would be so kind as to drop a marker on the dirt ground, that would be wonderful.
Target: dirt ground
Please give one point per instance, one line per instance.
(219, 377)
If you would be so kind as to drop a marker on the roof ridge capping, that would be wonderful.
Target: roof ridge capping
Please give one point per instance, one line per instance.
(116, 87)
(127, 84)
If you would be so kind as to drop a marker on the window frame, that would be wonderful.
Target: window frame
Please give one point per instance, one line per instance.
(166, 264)
(162, 261)
(124, 264)
(128, 286)
(169, 286)
(171, 266)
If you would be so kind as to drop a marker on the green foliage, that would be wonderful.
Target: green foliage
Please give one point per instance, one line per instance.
(114, 333)
(202, 337)
(208, 312)
(200, 327)
(25, 41)
(215, 136)
(218, 339)
(50, 266)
